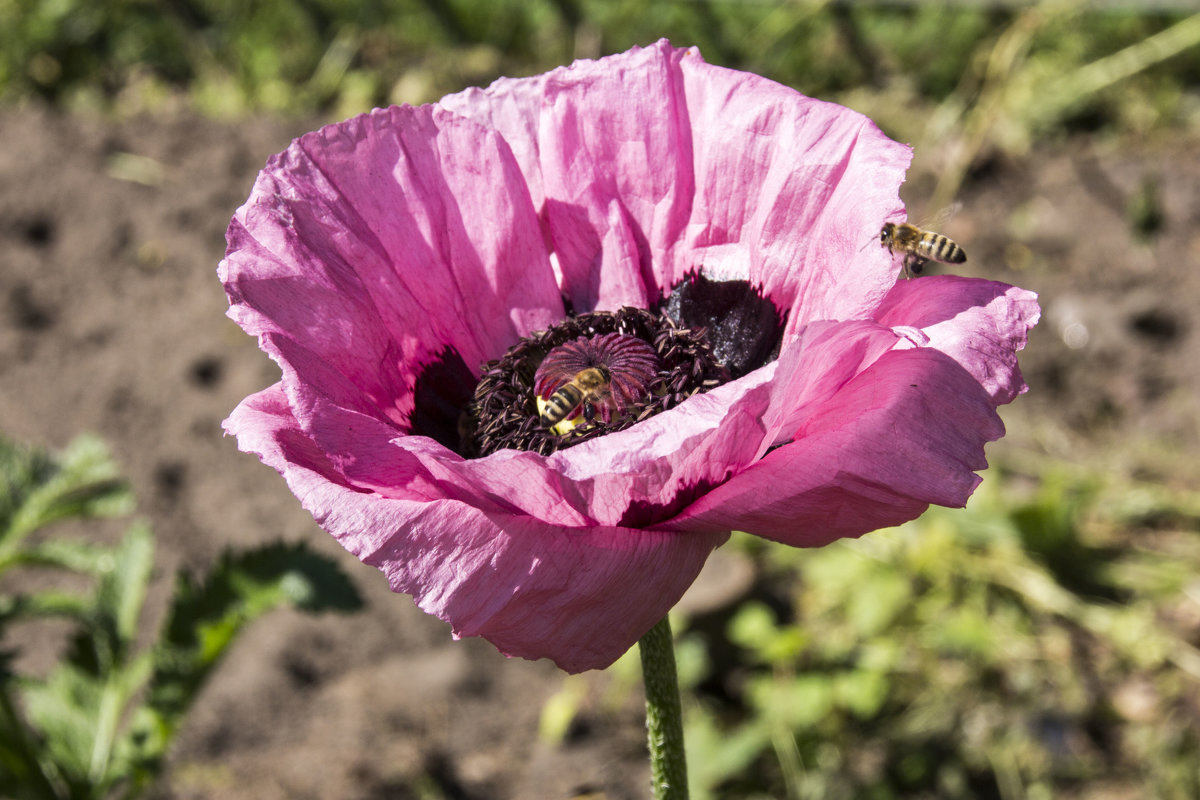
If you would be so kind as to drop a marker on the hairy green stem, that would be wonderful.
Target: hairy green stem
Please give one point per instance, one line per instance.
(664, 720)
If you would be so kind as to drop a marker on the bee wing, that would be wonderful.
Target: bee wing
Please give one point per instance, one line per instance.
(939, 220)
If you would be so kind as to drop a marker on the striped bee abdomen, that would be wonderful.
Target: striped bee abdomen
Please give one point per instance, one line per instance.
(586, 386)
(561, 403)
(936, 247)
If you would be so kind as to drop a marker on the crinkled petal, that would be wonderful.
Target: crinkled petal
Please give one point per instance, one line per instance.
(367, 248)
(980, 324)
(580, 597)
(647, 473)
(510, 106)
(632, 478)
(790, 194)
(616, 144)
(823, 358)
(654, 163)
(906, 432)
(612, 156)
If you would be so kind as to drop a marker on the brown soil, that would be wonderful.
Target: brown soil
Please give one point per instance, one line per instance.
(112, 321)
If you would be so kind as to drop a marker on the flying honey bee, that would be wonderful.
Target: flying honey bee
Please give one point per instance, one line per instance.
(919, 247)
(589, 385)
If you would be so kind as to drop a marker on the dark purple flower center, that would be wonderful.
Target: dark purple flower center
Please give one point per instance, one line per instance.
(598, 372)
(589, 375)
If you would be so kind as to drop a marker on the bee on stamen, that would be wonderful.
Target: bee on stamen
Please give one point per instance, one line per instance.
(585, 389)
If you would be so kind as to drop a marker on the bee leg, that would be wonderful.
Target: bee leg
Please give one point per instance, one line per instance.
(913, 265)
(589, 412)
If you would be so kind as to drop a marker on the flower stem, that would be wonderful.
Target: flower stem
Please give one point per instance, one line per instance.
(664, 721)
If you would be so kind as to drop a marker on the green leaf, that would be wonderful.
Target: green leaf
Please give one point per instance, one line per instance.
(715, 755)
(753, 626)
(862, 691)
(692, 662)
(37, 488)
(49, 603)
(247, 584)
(871, 610)
(80, 705)
(798, 703)
(965, 630)
(109, 634)
(560, 710)
(64, 708)
(67, 554)
(206, 617)
(122, 588)
(77, 713)
(70, 743)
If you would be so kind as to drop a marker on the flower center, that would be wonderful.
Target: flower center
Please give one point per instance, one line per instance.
(587, 376)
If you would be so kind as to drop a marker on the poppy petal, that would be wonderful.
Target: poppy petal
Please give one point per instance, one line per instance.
(580, 597)
(370, 248)
(654, 163)
(981, 324)
(906, 432)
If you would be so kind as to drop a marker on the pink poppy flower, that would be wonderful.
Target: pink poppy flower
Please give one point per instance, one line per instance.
(696, 235)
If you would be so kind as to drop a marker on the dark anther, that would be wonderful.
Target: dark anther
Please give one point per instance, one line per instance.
(743, 328)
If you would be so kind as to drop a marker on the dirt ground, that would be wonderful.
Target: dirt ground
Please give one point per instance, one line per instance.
(112, 321)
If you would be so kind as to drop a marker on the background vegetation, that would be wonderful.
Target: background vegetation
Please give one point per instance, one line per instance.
(960, 79)
(1041, 643)
(99, 723)
(1068, 64)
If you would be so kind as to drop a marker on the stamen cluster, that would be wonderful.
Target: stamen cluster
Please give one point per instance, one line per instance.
(654, 365)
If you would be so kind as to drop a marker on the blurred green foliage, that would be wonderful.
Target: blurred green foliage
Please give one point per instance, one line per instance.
(962, 81)
(338, 56)
(98, 723)
(1040, 643)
